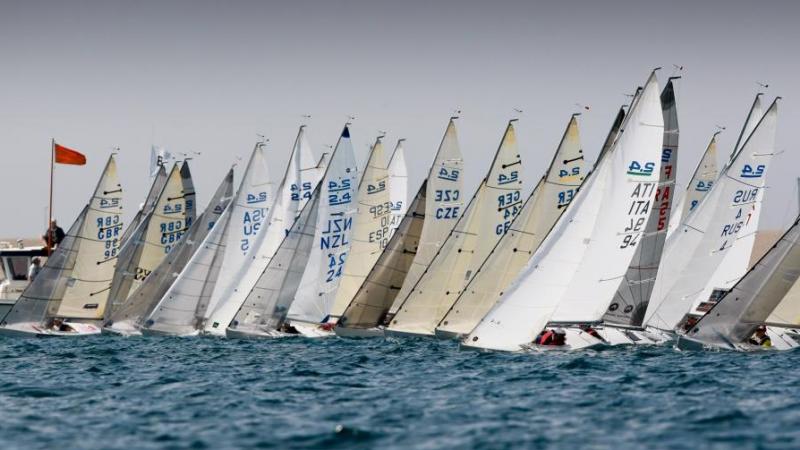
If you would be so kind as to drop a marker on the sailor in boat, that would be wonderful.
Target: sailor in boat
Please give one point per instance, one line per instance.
(554, 337)
(59, 325)
(34, 269)
(761, 338)
(586, 328)
(53, 236)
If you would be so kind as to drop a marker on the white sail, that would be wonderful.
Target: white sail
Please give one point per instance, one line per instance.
(159, 180)
(172, 215)
(787, 312)
(703, 179)
(370, 229)
(248, 215)
(443, 207)
(264, 310)
(180, 310)
(301, 176)
(398, 186)
(748, 304)
(143, 300)
(485, 220)
(575, 272)
(333, 235)
(372, 301)
(75, 280)
(543, 207)
(630, 301)
(712, 249)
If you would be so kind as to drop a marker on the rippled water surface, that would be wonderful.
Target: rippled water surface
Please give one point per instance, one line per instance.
(104, 392)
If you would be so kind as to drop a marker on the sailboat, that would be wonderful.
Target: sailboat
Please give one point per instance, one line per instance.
(68, 297)
(485, 220)
(184, 308)
(310, 310)
(127, 318)
(625, 313)
(711, 251)
(541, 210)
(731, 322)
(159, 231)
(427, 223)
(263, 312)
(573, 275)
(370, 229)
(398, 186)
(295, 190)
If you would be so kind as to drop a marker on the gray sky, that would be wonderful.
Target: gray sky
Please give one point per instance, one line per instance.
(207, 76)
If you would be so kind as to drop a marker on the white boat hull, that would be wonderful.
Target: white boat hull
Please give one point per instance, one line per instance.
(359, 332)
(35, 329)
(122, 329)
(232, 333)
(313, 330)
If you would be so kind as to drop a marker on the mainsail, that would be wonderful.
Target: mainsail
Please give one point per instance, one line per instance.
(711, 251)
(734, 318)
(442, 209)
(370, 230)
(333, 235)
(485, 220)
(541, 210)
(247, 219)
(630, 301)
(264, 310)
(573, 275)
(75, 280)
(702, 180)
(302, 175)
(171, 216)
(144, 299)
(180, 310)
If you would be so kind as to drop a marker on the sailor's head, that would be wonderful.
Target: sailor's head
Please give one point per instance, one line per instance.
(560, 332)
(36, 261)
(761, 330)
(53, 223)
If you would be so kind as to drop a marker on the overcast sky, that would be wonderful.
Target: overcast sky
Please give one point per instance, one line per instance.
(208, 76)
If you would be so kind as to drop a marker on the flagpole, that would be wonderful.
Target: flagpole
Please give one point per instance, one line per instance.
(50, 207)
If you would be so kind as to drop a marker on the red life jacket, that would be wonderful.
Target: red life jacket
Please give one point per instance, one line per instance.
(547, 338)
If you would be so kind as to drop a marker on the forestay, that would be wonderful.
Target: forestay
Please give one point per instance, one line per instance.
(632, 296)
(370, 230)
(485, 220)
(333, 235)
(575, 272)
(543, 207)
(712, 249)
(298, 183)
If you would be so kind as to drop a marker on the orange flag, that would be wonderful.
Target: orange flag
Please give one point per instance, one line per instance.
(66, 155)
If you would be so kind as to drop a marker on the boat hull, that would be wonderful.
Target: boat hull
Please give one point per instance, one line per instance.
(151, 332)
(312, 330)
(359, 332)
(233, 333)
(33, 329)
(448, 335)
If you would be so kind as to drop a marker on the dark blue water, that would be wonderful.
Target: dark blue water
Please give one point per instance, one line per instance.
(123, 393)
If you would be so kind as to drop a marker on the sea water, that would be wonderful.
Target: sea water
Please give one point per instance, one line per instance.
(137, 393)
